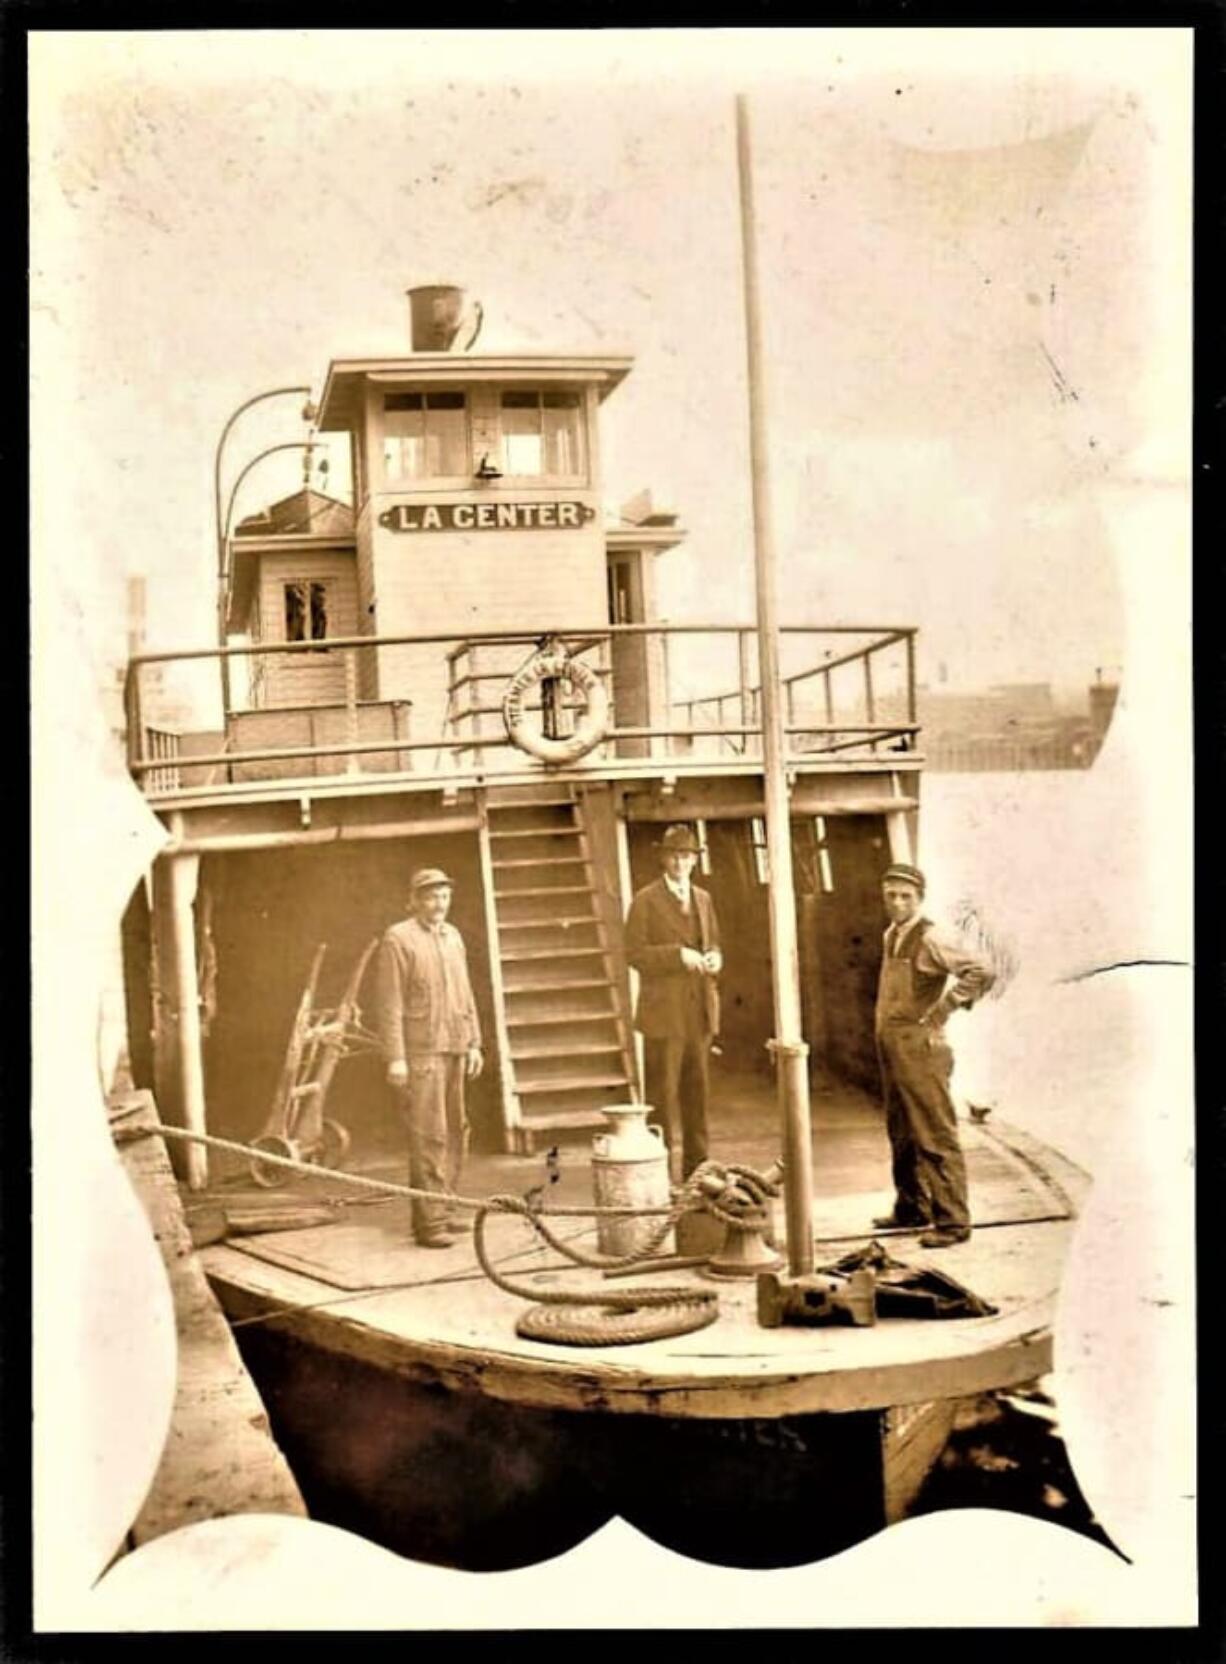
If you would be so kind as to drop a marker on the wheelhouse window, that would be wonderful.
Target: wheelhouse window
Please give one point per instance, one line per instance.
(425, 436)
(542, 434)
(306, 611)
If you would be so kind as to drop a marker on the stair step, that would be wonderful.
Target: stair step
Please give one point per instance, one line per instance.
(559, 987)
(521, 797)
(542, 890)
(562, 1009)
(511, 956)
(543, 861)
(582, 1048)
(560, 921)
(570, 1083)
(537, 832)
(561, 1119)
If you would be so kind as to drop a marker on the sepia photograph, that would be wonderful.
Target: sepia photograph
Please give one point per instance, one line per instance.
(611, 692)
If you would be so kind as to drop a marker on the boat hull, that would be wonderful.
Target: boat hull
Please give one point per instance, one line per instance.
(484, 1484)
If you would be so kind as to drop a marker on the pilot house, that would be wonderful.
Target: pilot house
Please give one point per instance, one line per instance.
(465, 668)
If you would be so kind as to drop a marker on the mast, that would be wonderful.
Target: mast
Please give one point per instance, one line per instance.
(790, 1050)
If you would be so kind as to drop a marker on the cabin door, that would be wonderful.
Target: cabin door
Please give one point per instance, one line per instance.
(631, 691)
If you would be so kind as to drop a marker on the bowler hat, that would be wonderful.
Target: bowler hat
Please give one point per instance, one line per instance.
(679, 839)
(428, 878)
(901, 872)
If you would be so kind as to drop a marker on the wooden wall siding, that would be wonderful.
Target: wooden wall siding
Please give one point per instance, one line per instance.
(434, 581)
(322, 725)
(839, 939)
(271, 909)
(307, 678)
(849, 924)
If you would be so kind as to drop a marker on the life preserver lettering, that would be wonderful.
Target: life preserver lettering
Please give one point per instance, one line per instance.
(555, 663)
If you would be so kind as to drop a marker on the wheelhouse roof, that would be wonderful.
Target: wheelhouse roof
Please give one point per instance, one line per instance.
(339, 403)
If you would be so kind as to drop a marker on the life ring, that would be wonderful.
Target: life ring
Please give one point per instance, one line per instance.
(555, 663)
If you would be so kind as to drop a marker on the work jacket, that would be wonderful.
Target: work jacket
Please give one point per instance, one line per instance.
(673, 1002)
(424, 997)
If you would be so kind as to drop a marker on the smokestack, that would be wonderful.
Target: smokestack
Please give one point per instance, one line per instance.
(438, 314)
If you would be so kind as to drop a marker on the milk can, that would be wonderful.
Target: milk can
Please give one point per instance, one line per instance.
(629, 1169)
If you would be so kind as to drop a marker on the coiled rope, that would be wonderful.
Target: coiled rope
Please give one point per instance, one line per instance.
(585, 1317)
(599, 1316)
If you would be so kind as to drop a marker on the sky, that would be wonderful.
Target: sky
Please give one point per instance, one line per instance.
(971, 317)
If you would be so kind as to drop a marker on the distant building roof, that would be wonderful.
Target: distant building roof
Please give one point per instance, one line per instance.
(304, 514)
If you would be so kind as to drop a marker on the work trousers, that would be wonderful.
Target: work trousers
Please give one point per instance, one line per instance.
(432, 1108)
(929, 1169)
(676, 1083)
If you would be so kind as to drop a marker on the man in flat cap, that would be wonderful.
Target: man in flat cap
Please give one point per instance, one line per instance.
(672, 941)
(925, 975)
(427, 1023)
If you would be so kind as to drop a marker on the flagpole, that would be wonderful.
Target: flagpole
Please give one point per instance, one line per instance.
(790, 1050)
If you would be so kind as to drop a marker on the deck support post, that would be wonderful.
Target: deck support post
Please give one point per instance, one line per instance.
(899, 836)
(182, 873)
(790, 1050)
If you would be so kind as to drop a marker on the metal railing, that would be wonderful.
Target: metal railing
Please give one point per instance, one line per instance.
(842, 724)
(342, 705)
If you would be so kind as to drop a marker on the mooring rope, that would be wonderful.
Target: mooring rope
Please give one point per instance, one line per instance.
(578, 1317)
(386, 1187)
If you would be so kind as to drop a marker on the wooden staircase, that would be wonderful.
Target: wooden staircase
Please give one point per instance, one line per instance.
(563, 1029)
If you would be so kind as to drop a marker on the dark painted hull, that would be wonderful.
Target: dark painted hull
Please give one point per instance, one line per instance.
(465, 1480)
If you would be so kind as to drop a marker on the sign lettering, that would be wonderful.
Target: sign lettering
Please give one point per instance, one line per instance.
(485, 517)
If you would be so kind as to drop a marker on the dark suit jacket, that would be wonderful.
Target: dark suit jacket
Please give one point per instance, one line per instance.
(656, 931)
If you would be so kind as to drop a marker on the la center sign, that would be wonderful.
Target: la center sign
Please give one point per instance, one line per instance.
(485, 517)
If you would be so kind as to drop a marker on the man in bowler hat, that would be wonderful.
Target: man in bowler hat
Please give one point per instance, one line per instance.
(925, 975)
(431, 1040)
(672, 941)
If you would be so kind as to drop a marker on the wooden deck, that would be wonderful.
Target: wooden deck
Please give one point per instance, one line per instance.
(219, 1457)
(360, 1289)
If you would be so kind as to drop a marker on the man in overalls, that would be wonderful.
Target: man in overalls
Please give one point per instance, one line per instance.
(431, 1040)
(924, 977)
(672, 941)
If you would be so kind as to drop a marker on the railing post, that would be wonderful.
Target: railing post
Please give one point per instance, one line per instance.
(911, 705)
(183, 873)
(743, 674)
(663, 746)
(133, 719)
(789, 689)
(870, 707)
(352, 763)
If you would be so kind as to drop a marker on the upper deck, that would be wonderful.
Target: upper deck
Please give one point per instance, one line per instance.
(684, 701)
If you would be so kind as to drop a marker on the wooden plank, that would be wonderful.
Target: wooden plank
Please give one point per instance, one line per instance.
(908, 1455)
(219, 1457)
(801, 1377)
(508, 1100)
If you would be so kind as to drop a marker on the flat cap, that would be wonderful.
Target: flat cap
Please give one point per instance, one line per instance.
(680, 838)
(900, 872)
(429, 878)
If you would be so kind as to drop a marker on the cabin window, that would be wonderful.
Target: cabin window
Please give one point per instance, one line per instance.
(425, 436)
(306, 611)
(542, 434)
(823, 855)
(761, 859)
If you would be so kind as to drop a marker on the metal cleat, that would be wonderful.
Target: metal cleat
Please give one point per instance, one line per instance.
(816, 1299)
